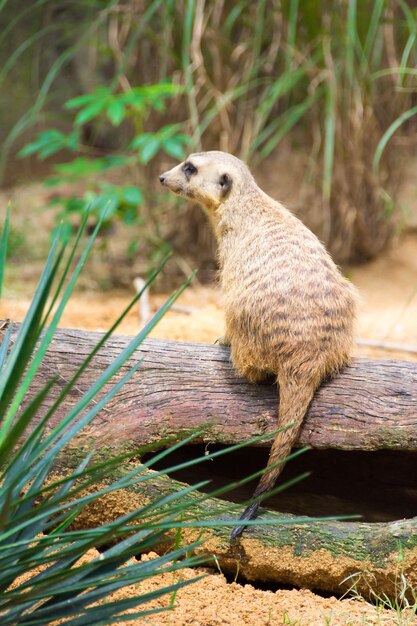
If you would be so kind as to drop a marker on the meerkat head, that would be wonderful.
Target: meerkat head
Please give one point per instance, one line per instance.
(209, 178)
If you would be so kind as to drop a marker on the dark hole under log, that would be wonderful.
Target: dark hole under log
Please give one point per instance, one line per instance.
(379, 486)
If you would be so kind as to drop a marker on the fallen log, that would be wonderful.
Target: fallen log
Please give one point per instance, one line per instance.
(371, 406)
(332, 556)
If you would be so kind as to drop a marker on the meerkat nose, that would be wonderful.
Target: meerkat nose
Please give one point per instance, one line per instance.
(162, 179)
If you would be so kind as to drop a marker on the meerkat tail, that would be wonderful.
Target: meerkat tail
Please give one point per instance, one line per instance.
(293, 405)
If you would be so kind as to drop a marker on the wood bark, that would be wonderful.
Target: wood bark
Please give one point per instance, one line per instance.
(370, 406)
(327, 555)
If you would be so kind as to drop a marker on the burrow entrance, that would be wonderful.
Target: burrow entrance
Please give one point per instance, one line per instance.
(380, 486)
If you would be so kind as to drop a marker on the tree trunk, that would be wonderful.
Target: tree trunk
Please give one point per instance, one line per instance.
(370, 406)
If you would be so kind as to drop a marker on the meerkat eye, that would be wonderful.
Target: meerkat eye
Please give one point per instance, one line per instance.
(225, 183)
(189, 169)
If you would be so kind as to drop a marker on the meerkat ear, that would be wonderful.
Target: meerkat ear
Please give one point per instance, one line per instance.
(225, 183)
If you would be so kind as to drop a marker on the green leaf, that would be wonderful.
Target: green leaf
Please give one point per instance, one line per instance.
(116, 112)
(106, 204)
(169, 130)
(174, 146)
(99, 94)
(81, 166)
(140, 140)
(149, 149)
(79, 101)
(75, 205)
(132, 195)
(90, 112)
(49, 142)
(130, 216)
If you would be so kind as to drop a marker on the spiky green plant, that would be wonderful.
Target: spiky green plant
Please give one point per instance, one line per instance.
(35, 514)
(41, 579)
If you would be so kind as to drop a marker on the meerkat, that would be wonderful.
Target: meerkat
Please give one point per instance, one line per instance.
(289, 311)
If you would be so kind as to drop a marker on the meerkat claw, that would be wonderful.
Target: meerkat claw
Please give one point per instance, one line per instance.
(249, 513)
(222, 341)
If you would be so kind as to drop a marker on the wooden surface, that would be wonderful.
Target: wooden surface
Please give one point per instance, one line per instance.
(298, 551)
(371, 405)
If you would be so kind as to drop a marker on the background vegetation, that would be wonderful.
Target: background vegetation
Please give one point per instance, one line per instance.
(117, 89)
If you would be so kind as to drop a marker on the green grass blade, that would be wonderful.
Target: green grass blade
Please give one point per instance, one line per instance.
(22, 422)
(67, 388)
(27, 43)
(374, 25)
(19, 16)
(286, 122)
(406, 71)
(351, 41)
(4, 347)
(27, 337)
(388, 135)
(292, 34)
(115, 365)
(3, 247)
(409, 46)
(129, 478)
(101, 614)
(65, 435)
(69, 261)
(329, 134)
(97, 575)
(30, 116)
(188, 70)
(47, 338)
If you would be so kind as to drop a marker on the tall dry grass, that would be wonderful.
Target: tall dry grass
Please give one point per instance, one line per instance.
(333, 79)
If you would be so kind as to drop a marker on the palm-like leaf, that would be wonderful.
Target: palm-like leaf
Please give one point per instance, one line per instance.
(35, 515)
(36, 509)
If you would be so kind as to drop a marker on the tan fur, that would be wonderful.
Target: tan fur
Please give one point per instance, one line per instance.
(289, 310)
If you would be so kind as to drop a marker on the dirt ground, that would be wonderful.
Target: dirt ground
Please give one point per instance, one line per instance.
(213, 601)
(388, 288)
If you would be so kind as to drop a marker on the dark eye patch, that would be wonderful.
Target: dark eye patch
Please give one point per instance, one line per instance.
(189, 169)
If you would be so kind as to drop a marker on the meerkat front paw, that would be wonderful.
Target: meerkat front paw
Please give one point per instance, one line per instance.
(223, 341)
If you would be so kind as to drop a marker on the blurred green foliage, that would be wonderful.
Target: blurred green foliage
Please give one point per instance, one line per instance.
(331, 79)
(103, 199)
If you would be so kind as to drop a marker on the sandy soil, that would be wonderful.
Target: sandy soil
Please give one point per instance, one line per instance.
(213, 601)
